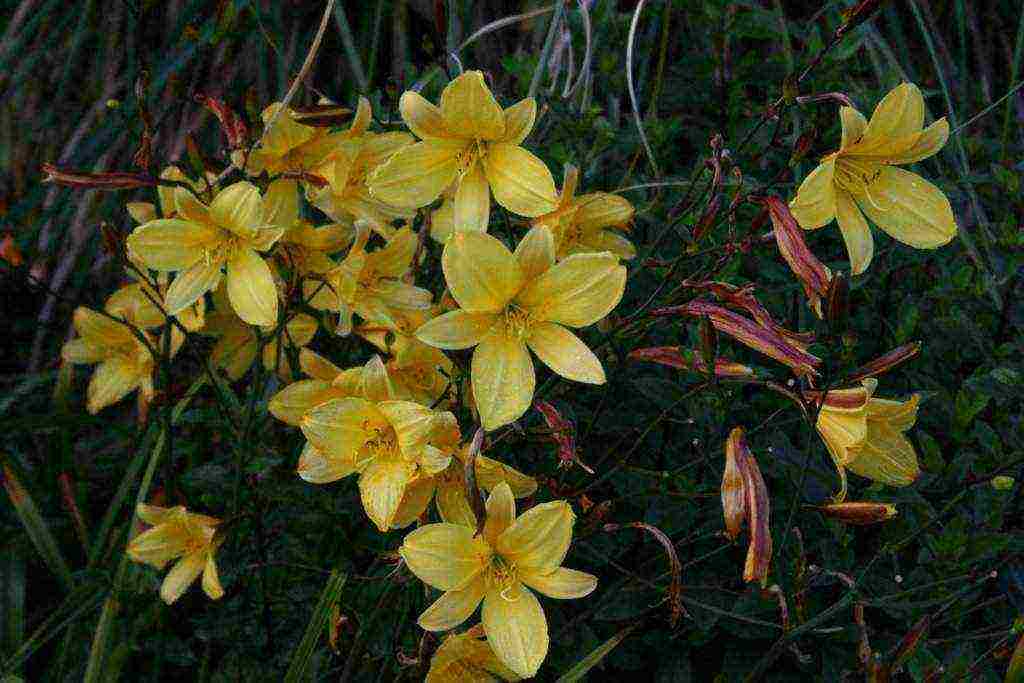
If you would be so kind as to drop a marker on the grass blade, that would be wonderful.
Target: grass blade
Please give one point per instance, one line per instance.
(328, 599)
(583, 666)
(35, 526)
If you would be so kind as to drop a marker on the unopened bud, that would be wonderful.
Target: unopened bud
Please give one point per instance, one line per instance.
(100, 181)
(1003, 483)
(321, 115)
(859, 513)
(232, 125)
(689, 359)
(734, 502)
(886, 362)
(707, 218)
(837, 309)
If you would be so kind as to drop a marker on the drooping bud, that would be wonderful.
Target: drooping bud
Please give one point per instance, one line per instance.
(763, 340)
(759, 552)
(734, 499)
(859, 513)
(837, 309)
(814, 276)
(232, 125)
(886, 362)
(692, 360)
(99, 181)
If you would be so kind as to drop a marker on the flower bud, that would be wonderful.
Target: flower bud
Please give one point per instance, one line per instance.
(232, 125)
(99, 181)
(326, 115)
(886, 362)
(813, 275)
(689, 359)
(859, 513)
(734, 501)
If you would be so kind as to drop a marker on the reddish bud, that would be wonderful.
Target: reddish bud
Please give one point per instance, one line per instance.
(859, 513)
(232, 125)
(321, 115)
(813, 275)
(688, 359)
(100, 181)
(562, 434)
(886, 362)
(734, 498)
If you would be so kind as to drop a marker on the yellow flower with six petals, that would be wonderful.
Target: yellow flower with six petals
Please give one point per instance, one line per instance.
(498, 568)
(863, 177)
(513, 301)
(471, 143)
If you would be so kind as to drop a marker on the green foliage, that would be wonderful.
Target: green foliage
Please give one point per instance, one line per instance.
(654, 436)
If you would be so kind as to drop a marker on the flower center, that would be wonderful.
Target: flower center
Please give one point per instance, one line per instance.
(502, 575)
(517, 322)
(381, 442)
(474, 152)
(856, 176)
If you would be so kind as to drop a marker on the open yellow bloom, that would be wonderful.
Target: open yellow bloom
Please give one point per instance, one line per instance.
(304, 248)
(862, 178)
(238, 344)
(513, 301)
(498, 568)
(387, 443)
(125, 364)
(327, 381)
(177, 533)
(370, 283)
(467, 658)
(581, 223)
(204, 239)
(866, 435)
(468, 141)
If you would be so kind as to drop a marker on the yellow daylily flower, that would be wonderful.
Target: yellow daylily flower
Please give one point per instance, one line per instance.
(325, 382)
(467, 658)
(498, 568)
(124, 362)
(862, 178)
(238, 344)
(511, 302)
(387, 443)
(468, 141)
(370, 283)
(865, 435)
(293, 147)
(442, 219)
(203, 240)
(347, 196)
(177, 533)
(580, 224)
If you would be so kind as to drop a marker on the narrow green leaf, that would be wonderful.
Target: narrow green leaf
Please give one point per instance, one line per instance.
(35, 526)
(594, 658)
(328, 599)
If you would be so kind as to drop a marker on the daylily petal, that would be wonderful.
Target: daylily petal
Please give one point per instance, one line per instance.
(373, 381)
(454, 607)
(415, 499)
(899, 113)
(83, 352)
(519, 119)
(319, 468)
(99, 329)
(910, 209)
(211, 579)
(189, 207)
(860, 245)
(112, 380)
(298, 398)
(153, 514)
(501, 512)
(885, 456)
(520, 181)
(565, 353)
(172, 244)
(490, 473)
(456, 329)
(563, 583)
(931, 140)
(503, 380)
(453, 506)
(815, 201)
(900, 415)
(181, 576)
(423, 118)
(470, 110)
(539, 538)
(251, 289)
(281, 203)
(472, 204)
(412, 422)
(318, 367)
(381, 487)
(578, 291)
(141, 212)
(516, 629)
(191, 284)
(444, 556)
(238, 208)
(481, 272)
(604, 240)
(416, 175)
(602, 210)
(336, 427)
(853, 123)
(535, 253)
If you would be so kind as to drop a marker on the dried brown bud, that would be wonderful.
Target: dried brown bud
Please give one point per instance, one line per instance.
(886, 362)
(734, 499)
(99, 181)
(859, 513)
(759, 552)
(814, 276)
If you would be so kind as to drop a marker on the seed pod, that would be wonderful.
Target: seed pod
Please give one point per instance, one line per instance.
(859, 513)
